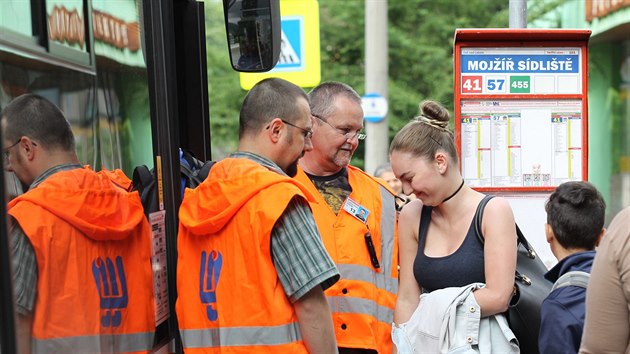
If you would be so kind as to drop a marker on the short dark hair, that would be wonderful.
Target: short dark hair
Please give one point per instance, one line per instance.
(268, 99)
(576, 212)
(322, 98)
(36, 117)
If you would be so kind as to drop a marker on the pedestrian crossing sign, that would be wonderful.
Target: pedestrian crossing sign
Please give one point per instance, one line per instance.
(299, 60)
(292, 45)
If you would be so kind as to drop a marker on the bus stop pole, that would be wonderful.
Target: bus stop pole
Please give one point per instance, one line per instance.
(518, 13)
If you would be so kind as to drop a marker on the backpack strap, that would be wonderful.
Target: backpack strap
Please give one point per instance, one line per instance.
(572, 278)
(142, 177)
(197, 176)
(204, 170)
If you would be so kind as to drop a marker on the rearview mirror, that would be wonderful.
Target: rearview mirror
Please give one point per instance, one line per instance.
(253, 33)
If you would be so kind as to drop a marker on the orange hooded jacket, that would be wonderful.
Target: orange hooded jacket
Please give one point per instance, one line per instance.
(230, 299)
(95, 284)
(363, 300)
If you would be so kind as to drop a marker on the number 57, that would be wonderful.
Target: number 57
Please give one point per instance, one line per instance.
(495, 84)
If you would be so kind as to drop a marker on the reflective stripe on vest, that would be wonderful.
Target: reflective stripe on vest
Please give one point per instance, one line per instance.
(104, 343)
(368, 275)
(346, 304)
(388, 220)
(241, 336)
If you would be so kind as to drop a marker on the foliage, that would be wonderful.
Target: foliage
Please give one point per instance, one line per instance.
(420, 54)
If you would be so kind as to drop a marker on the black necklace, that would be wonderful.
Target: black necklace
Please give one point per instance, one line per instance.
(452, 195)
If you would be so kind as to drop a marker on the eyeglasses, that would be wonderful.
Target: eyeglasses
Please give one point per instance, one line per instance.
(347, 133)
(308, 133)
(7, 150)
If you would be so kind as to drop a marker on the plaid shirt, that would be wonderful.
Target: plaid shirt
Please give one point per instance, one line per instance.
(298, 253)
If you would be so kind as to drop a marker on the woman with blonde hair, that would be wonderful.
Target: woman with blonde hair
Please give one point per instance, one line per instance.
(437, 240)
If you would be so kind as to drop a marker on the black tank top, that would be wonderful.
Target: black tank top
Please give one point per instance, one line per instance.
(462, 267)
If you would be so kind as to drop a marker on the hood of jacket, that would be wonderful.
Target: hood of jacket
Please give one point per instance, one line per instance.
(231, 183)
(89, 201)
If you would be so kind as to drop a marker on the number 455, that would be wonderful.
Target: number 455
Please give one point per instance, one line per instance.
(495, 84)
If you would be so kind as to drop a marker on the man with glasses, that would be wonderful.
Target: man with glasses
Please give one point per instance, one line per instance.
(356, 216)
(80, 243)
(252, 269)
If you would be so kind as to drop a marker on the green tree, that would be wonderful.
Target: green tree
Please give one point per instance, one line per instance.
(420, 55)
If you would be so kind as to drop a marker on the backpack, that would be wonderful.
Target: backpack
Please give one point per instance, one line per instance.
(193, 172)
(572, 278)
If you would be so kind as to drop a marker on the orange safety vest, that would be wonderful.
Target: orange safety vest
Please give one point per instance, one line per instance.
(363, 300)
(230, 299)
(92, 245)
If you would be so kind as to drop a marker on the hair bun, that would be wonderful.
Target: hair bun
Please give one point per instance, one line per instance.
(435, 111)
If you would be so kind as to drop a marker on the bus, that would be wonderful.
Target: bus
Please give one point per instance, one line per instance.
(131, 78)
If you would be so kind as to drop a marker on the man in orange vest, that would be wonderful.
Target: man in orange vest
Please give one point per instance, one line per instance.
(251, 266)
(356, 216)
(79, 241)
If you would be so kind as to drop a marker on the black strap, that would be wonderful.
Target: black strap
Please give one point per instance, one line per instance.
(198, 174)
(204, 171)
(142, 177)
(479, 216)
(519, 234)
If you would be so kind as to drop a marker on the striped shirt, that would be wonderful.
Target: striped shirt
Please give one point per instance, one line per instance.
(23, 259)
(297, 249)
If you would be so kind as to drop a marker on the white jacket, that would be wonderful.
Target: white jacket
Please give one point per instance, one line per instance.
(449, 321)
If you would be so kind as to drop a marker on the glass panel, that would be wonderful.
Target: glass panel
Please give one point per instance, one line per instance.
(66, 23)
(16, 16)
(117, 31)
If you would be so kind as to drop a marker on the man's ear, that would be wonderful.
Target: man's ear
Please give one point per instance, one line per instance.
(600, 236)
(28, 146)
(275, 129)
(549, 233)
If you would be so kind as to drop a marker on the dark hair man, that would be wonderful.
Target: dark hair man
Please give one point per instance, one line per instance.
(251, 265)
(80, 243)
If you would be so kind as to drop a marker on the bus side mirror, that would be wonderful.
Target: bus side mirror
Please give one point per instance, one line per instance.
(253, 33)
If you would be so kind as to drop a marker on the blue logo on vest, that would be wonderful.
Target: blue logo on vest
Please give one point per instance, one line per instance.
(112, 289)
(208, 281)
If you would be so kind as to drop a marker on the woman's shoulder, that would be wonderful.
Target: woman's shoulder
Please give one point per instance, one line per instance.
(498, 206)
(411, 209)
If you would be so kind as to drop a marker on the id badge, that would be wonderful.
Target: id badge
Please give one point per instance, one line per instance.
(356, 210)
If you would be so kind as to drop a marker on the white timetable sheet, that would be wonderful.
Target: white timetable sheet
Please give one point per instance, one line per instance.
(521, 143)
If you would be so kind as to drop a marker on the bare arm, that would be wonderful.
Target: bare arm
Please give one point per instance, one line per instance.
(408, 288)
(315, 322)
(499, 257)
(23, 332)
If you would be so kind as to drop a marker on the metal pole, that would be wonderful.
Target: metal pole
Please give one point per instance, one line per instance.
(518, 13)
(163, 99)
(376, 77)
(7, 322)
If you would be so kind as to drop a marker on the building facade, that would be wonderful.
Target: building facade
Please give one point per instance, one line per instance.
(609, 90)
